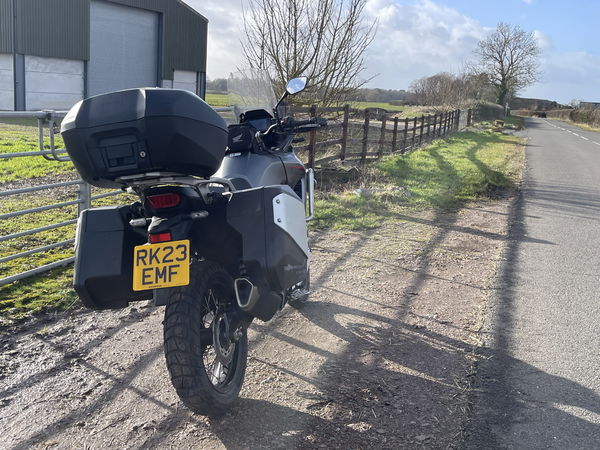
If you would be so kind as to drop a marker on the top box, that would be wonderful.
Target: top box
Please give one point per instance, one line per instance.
(116, 138)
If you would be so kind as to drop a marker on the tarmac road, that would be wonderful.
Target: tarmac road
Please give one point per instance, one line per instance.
(539, 386)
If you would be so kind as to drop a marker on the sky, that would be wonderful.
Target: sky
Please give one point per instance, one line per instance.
(418, 38)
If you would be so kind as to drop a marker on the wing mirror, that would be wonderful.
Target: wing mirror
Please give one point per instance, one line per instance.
(296, 85)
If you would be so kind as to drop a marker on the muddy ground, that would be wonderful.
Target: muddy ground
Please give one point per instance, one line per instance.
(382, 356)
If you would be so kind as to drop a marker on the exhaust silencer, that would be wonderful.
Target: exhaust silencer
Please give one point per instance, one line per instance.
(246, 293)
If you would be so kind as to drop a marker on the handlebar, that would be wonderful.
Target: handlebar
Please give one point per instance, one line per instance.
(291, 126)
(307, 125)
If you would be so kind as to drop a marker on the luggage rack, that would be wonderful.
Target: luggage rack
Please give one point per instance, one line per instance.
(167, 178)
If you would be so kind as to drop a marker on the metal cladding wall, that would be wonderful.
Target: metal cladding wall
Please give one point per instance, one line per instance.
(53, 28)
(6, 23)
(61, 29)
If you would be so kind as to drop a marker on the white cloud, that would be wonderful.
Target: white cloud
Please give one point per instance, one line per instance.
(567, 75)
(417, 40)
(225, 27)
(413, 40)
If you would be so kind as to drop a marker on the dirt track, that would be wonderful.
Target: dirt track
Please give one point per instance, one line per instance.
(381, 356)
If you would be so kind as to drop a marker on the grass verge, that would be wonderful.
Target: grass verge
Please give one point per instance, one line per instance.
(466, 166)
(16, 138)
(583, 126)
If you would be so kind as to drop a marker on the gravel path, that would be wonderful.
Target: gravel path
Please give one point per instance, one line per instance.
(382, 355)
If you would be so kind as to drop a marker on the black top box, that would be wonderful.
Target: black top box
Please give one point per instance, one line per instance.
(113, 137)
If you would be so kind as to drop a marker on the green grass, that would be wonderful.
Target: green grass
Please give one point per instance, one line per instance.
(22, 138)
(466, 166)
(583, 126)
(218, 100)
(51, 290)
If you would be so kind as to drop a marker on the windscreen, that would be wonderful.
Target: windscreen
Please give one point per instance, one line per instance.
(251, 89)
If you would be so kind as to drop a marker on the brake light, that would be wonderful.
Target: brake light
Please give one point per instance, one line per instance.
(161, 201)
(159, 237)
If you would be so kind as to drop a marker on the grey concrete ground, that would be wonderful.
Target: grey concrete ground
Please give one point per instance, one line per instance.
(539, 384)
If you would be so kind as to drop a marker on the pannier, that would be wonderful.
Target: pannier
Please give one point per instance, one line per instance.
(112, 138)
(104, 258)
(274, 242)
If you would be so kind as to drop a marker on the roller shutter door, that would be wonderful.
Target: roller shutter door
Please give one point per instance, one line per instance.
(7, 83)
(123, 47)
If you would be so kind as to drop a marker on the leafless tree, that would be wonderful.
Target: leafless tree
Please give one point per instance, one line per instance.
(325, 40)
(509, 57)
(445, 91)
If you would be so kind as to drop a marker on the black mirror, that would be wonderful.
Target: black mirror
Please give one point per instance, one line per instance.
(296, 85)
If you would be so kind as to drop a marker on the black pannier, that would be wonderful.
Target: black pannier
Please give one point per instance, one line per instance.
(138, 131)
(274, 260)
(104, 258)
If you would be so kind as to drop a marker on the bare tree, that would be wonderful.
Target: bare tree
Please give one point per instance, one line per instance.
(324, 40)
(509, 57)
(445, 91)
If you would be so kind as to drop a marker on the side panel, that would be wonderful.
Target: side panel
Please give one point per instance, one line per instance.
(7, 83)
(254, 170)
(52, 83)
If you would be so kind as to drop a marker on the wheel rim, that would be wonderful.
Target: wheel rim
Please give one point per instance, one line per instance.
(220, 357)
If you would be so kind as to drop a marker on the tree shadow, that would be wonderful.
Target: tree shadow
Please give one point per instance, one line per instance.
(500, 408)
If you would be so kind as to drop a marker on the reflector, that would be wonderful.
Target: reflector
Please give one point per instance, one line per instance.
(160, 237)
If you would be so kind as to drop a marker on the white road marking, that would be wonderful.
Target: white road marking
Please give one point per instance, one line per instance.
(574, 134)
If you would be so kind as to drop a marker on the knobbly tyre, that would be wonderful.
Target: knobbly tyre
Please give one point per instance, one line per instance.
(218, 237)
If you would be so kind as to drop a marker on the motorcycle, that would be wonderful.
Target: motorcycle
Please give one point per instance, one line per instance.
(218, 236)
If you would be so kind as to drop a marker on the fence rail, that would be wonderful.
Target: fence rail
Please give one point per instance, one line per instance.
(373, 137)
(358, 140)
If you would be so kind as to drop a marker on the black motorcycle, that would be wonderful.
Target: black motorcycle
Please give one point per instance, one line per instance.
(218, 237)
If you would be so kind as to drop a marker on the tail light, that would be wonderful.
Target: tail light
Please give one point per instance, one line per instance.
(162, 201)
(159, 237)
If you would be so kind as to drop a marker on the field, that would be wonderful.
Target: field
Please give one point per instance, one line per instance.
(220, 100)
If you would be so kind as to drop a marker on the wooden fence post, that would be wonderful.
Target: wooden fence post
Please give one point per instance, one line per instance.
(405, 135)
(313, 140)
(446, 117)
(434, 135)
(382, 137)
(395, 137)
(457, 119)
(345, 132)
(428, 136)
(365, 142)
(414, 132)
(421, 130)
(469, 112)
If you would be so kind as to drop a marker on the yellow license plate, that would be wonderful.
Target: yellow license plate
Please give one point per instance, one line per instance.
(161, 265)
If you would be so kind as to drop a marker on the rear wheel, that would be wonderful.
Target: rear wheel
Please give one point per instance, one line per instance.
(207, 367)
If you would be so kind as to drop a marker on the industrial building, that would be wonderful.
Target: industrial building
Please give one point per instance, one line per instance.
(53, 53)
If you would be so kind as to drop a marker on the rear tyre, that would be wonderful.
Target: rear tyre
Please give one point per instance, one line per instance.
(206, 368)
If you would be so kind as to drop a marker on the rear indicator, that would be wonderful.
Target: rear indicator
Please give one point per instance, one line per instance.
(161, 201)
(159, 237)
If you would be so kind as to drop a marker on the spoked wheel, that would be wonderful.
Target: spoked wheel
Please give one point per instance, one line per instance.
(205, 358)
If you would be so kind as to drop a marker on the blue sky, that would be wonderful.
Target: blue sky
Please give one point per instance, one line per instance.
(418, 38)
